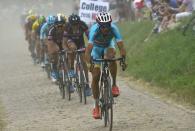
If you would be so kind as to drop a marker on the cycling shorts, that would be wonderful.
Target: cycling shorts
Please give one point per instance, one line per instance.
(99, 51)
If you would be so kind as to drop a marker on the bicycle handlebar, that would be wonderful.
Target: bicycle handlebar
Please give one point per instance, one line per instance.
(69, 51)
(121, 59)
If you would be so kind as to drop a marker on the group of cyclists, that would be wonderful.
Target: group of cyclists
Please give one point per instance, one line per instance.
(47, 35)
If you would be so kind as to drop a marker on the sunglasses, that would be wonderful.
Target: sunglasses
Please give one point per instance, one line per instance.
(103, 26)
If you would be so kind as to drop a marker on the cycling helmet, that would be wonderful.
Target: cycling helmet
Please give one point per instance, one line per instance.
(50, 19)
(59, 19)
(74, 19)
(103, 18)
(41, 19)
(62, 15)
(32, 17)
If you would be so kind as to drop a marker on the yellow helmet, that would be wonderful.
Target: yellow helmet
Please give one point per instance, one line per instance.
(33, 17)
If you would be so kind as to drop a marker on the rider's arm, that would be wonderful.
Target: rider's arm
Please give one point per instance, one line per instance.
(90, 43)
(50, 33)
(34, 28)
(65, 40)
(43, 32)
(119, 40)
(85, 29)
(183, 6)
(51, 40)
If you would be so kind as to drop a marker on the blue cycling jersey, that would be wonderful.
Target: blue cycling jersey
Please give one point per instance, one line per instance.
(44, 31)
(97, 38)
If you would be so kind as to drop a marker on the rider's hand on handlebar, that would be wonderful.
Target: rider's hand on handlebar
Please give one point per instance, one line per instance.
(123, 63)
(123, 52)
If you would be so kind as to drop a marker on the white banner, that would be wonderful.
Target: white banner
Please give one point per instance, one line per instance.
(89, 9)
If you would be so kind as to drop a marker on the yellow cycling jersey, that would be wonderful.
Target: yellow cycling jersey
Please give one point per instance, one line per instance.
(35, 25)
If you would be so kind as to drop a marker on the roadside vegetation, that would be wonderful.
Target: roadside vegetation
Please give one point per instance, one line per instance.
(166, 60)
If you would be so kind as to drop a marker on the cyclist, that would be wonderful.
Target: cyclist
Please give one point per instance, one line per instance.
(43, 37)
(55, 38)
(74, 39)
(101, 44)
(36, 36)
(30, 19)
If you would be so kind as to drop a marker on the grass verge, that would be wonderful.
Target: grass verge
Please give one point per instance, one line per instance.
(166, 60)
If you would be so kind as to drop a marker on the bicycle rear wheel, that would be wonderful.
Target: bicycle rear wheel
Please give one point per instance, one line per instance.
(67, 84)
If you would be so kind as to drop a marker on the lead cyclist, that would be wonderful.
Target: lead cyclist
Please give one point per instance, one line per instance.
(100, 44)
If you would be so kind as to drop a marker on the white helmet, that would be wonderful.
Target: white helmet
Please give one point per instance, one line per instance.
(103, 18)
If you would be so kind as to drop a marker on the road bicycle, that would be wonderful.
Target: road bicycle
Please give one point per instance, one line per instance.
(64, 79)
(106, 99)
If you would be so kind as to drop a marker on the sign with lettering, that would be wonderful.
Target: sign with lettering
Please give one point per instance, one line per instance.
(89, 9)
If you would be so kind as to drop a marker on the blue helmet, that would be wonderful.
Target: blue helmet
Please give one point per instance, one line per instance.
(50, 19)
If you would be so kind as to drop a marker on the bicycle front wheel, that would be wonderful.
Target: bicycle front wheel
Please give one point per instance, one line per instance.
(61, 84)
(108, 99)
(83, 85)
(67, 86)
(79, 88)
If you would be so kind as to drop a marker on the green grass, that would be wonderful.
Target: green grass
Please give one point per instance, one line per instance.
(166, 60)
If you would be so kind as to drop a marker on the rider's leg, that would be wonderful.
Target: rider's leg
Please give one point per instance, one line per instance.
(52, 52)
(110, 53)
(95, 84)
(42, 53)
(88, 89)
(85, 67)
(71, 56)
(32, 48)
(46, 56)
(38, 49)
(96, 53)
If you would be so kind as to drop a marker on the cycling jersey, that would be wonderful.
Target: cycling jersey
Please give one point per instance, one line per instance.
(44, 31)
(37, 26)
(76, 35)
(29, 22)
(56, 35)
(99, 39)
(102, 42)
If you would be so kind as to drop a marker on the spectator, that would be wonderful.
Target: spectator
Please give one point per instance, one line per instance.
(138, 6)
(184, 10)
